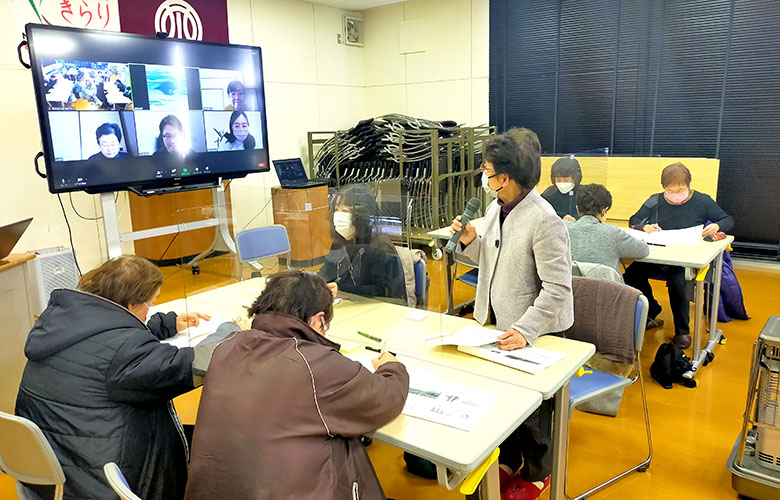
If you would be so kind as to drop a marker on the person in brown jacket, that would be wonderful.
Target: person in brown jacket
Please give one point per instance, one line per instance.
(282, 410)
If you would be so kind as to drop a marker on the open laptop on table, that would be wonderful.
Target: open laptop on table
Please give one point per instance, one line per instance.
(292, 175)
(10, 234)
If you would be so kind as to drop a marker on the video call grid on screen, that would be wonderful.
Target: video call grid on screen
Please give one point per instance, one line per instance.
(188, 99)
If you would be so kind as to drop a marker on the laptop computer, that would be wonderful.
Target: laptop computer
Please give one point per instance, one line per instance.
(292, 175)
(10, 234)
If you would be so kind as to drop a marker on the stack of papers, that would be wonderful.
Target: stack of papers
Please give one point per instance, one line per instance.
(445, 403)
(687, 236)
(529, 359)
(194, 335)
(471, 336)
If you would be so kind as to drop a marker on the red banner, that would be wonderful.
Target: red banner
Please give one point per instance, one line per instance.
(191, 19)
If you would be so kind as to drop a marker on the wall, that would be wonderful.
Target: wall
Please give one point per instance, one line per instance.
(447, 80)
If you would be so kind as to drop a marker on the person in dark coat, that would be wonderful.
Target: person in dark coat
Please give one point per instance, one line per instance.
(361, 260)
(99, 383)
(566, 177)
(282, 411)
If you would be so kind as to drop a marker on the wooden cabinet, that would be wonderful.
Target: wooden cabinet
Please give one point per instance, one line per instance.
(169, 209)
(306, 215)
(17, 320)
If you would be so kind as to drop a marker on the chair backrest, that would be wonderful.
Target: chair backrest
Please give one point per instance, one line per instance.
(25, 454)
(118, 482)
(421, 282)
(640, 322)
(262, 242)
(610, 315)
(595, 271)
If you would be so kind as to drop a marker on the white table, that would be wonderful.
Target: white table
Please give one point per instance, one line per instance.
(697, 259)
(406, 337)
(455, 452)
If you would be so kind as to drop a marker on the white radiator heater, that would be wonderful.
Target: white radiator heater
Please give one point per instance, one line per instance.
(52, 268)
(768, 409)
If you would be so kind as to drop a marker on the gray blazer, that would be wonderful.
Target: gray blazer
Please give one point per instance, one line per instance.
(592, 241)
(524, 269)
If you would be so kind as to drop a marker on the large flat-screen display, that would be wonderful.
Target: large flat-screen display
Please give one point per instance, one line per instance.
(120, 111)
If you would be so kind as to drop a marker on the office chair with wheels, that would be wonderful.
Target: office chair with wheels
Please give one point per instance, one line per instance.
(261, 243)
(27, 456)
(595, 383)
(118, 482)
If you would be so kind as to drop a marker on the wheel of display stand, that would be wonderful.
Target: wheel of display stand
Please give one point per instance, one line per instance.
(708, 358)
(436, 254)
(195, 270)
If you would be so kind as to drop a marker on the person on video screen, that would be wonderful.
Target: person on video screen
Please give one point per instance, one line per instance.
(237, 95)
(238, 137)
(109, 136)
(172, 140)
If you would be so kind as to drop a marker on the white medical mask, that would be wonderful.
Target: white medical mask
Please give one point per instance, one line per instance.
(342, 222)
(564, 187)
(491, 192)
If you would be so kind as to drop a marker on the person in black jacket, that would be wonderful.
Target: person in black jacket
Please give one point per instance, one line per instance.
(99, 383)
(566, 177)
(678, 207)
(361, 260)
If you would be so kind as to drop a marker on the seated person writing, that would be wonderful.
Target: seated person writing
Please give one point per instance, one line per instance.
(524, 283)
(594, 241)
(566, 176)
(99, 383)
(678, 207)
(361, 260)
(282, 410)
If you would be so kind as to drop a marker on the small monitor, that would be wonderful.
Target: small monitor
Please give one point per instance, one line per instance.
(121, 111)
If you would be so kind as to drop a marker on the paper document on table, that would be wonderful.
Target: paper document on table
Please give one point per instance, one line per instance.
(529, 359)
(194, 335)
(446, 403)
(471, 336)
(687, 236)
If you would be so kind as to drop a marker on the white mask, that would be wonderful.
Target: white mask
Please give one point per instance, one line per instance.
(564, 187)
(487, 189)
(342, 222)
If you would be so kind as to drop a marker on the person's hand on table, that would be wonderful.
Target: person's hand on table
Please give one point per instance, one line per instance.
(511, 339)
(385, 357)
(651, 228)
(184, 321)
(469, 233)
(334, 289)
(711, 229)
(242, 322)
(569, 218)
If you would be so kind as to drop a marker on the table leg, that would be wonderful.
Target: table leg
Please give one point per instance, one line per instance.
(698, 319)
(702, 355)
(489, 488)
(448, 280)
(560, 442)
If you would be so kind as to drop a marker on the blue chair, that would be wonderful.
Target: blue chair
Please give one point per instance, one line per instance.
(596, 383)
(469, 278)
(421, 281)
(261, 243)
(118, 482)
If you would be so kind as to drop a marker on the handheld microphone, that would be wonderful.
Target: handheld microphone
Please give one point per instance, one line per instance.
(472, 207)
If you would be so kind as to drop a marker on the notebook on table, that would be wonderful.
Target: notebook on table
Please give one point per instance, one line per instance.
(292, 175)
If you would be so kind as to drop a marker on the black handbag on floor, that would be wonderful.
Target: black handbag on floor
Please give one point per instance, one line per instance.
(669, 365)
